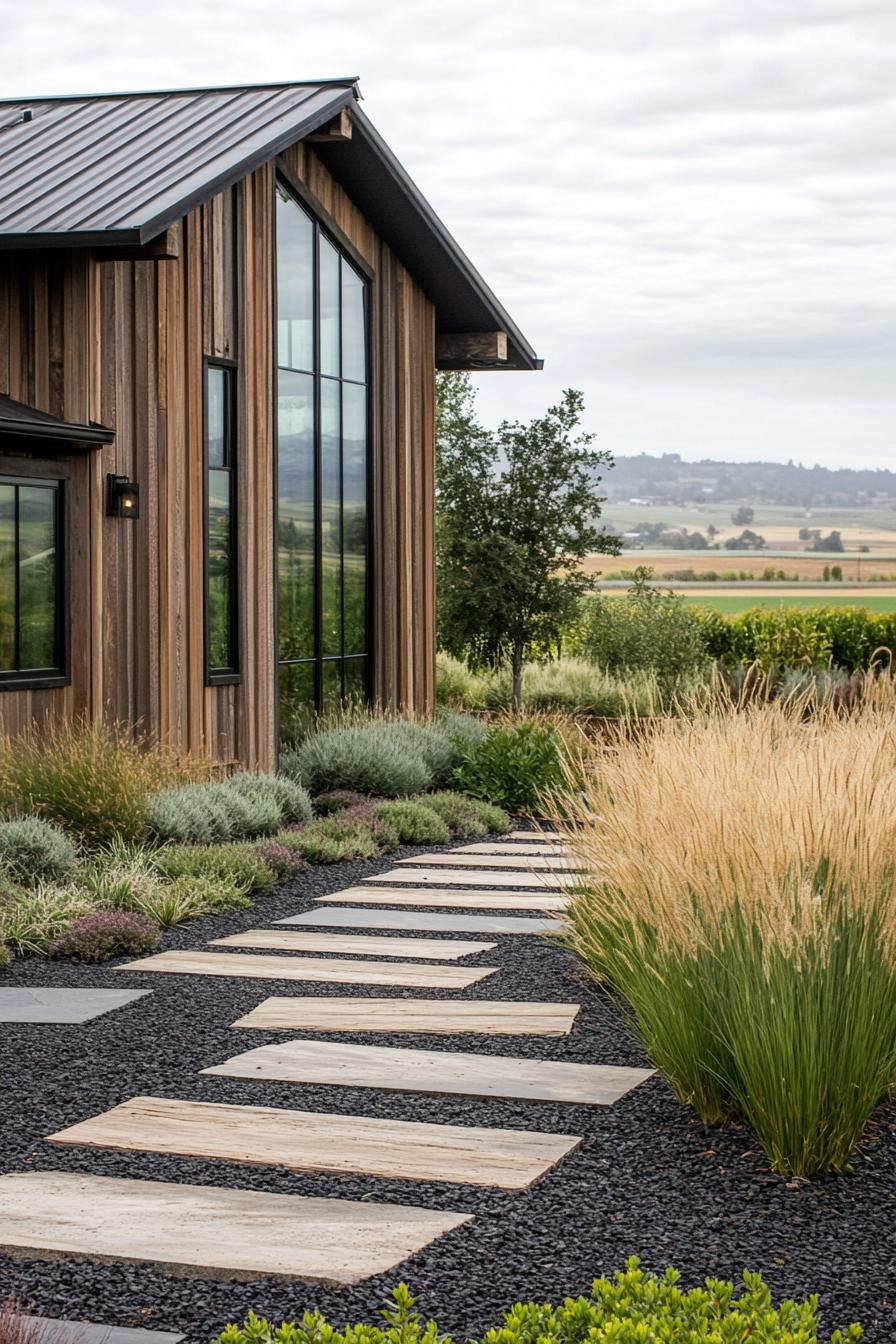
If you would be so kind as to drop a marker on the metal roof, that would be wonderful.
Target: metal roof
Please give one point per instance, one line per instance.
(26, 422)
(117, 169)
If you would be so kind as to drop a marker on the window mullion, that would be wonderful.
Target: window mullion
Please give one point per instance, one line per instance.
(17, 596)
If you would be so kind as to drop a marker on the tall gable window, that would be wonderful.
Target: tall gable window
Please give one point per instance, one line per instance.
(221, 624)
(322, 490)
(31, 582)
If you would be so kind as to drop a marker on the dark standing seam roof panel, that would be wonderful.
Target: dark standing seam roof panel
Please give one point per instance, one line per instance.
(26, 422)
(118, 169)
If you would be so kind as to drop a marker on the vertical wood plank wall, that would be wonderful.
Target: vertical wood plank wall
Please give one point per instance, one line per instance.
(122, 343)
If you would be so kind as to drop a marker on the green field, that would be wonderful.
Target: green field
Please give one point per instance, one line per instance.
(732, 602)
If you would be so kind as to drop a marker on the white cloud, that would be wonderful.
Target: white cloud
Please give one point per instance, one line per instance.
(687, 205)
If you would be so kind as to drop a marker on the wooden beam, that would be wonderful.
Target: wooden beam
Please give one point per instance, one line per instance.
(340, 128)
(165, 247)
(467, 350)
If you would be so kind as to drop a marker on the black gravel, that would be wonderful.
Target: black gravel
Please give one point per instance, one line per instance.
(649, 1179)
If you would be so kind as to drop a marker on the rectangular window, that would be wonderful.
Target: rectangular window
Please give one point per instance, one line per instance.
(221, 623)
(322, 470)
(32, 646)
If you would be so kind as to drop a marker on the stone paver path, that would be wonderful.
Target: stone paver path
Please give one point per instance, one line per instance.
(423, 921)
(441, 1017)
(554, 863)
(18, 1004)
(404, 974)
(293, 940)
(448, 899)
(422, 877)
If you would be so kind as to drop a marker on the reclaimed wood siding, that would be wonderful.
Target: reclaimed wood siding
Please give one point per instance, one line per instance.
(123, 343)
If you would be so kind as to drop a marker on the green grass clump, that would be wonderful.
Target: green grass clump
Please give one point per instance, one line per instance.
(240, 865)
(631, 1308)
(415, 823)
(468, 816)
(31, 921)
(33, 850)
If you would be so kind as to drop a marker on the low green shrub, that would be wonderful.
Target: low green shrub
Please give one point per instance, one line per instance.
(365, 759)
(241, 865)
(33, 850)
(31, 921)
(104, 934)
(468, 816)
(288, 798)
(415, 822)
(281, 863)
(781, 637)
(515, 767)
(631, 1308)
(354, 833)
(337, 800)
(204, 814)
(462, 729)
(647, 629)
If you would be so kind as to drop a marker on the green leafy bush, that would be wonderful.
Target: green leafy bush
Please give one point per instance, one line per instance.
(287, 798)
(104, 934)
(415, 823)
(364, 759)
(93, 780)
(32, 850)
(631, 1308)
(240, 865)
(781, 637)
(468, 816)
(31, 921)
(647, 629)
(354, 833)
(515, 767)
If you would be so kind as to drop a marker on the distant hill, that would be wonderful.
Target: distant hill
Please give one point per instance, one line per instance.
(670, 480)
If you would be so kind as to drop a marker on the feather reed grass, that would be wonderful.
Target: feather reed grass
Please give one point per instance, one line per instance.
(741, 900)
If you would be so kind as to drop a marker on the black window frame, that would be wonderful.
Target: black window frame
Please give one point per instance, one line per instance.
(44, 678)
(230, 675)
(303, 199)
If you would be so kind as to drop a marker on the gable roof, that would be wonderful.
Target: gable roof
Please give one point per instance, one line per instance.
(117, 169)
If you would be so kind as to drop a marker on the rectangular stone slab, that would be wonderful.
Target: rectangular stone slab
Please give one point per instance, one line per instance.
(423, 920)
(209, 1232)
(546, 837)
(292, 940)
(441, 1017)
(454, 859)
(53, 1331)
(479, 878)
(313, 1141)
(434, 1071)
(20, 1004)
(456, 900)
(513, 849)
(321, 969)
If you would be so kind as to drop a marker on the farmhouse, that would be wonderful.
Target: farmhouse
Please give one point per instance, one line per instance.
(221, 311)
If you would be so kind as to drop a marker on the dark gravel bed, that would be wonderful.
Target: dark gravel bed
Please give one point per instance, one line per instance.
(648, 1180)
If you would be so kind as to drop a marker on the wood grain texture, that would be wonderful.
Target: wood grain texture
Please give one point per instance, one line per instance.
(514, 849)
(440, 1017)
(447, 899)
(209, 1232)
(341, 917)
(524, 862)
(433, 1071)
(478, 878)
(319, 969)
(292, 940)
(545, 837)
(510, 1159)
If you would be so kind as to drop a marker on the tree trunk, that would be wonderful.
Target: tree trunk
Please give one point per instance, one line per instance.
(517, 668)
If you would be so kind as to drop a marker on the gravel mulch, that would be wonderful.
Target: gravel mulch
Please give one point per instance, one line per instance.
(649, 1179)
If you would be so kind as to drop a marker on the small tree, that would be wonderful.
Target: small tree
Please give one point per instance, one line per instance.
(517, 515)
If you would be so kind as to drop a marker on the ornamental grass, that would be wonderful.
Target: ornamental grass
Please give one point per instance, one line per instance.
(739, 896)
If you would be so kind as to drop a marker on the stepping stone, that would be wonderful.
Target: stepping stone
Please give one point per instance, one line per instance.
(424, 876)
(208, 1232)
(52, 1331)
(289, 940)
(312, 1141)
(433, 1071)
(423, 920)
(439, 1017)
(457, 860)
(323, 969)
(511, 849)
(62, 1005)
(543, 837)
(456, 900)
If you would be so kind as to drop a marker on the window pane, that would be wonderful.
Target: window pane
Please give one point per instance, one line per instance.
(7, 578)
(216, 416)
(220, 541)
(329, 309)
(354, 354)
(331, 517)
(332, 684)
(295, 285)
(355, 680)
(296, 700)
(37, 577)
(295, 514)
(354, 484)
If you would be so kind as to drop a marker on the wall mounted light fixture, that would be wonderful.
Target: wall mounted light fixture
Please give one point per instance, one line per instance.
(122, 497)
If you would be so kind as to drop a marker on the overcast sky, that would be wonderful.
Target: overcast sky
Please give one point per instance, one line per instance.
(688, 206)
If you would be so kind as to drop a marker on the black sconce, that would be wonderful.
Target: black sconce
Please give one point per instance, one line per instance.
(122, 497)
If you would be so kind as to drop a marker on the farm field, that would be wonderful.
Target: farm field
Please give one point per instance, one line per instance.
(732, 600)
(856, 567)
(779, 524)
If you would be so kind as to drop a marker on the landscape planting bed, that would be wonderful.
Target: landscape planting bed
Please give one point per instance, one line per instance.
(648, 1178)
